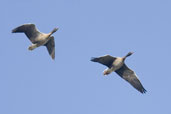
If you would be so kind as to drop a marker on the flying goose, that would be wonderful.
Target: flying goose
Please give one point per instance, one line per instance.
(38, 38)
(117, 65)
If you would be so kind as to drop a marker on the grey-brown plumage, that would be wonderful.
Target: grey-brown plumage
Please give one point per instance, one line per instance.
(117, 65)
(38, 38)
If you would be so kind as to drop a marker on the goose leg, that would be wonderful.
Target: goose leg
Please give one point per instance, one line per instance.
(33, 46)
(107, 72)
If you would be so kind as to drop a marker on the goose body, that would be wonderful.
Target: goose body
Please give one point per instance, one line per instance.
(117, 64)
(38, 38)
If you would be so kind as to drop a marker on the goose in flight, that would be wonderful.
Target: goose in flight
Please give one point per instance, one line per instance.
(38, 38)
(117, 65)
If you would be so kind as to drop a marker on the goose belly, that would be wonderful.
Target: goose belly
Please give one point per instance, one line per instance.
(117, 64)
(41, 40)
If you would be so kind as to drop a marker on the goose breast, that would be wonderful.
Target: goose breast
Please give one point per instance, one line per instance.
(118, 63)
(42, 38)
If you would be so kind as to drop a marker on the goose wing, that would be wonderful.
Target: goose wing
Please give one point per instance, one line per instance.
(131, 77)
(50, 45)
(30, 31)
(106, 60)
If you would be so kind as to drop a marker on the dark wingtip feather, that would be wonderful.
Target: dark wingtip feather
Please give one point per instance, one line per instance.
(94, 59)
(14, 30)
(143, 91)
(53, 58)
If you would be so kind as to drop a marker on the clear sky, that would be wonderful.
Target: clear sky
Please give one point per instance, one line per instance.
(32, 83)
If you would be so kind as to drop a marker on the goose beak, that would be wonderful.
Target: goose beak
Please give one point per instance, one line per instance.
(131, 52)
(56, 29)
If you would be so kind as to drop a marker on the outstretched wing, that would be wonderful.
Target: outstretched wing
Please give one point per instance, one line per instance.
(29, 29)
(51, 47)
(130, 76)
(106, 60)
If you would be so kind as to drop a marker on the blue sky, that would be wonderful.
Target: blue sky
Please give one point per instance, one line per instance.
(32, 83)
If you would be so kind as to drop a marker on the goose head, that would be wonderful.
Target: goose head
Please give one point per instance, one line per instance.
(53, 31)
(127, 55)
